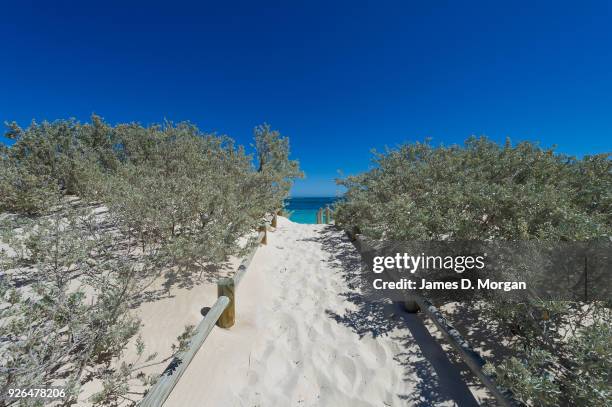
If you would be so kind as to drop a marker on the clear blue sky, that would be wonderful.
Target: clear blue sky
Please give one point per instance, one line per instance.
(338, 78)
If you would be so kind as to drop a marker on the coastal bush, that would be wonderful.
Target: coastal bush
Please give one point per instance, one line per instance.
(194, 194)
(275, 167)
(480, 191)
(25, 192)
(62, 150)
(166, 183)
(65, 294)
(484, 191)
(176, 197)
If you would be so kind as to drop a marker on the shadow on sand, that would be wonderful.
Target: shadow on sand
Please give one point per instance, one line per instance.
(440, 380)
(160, 286)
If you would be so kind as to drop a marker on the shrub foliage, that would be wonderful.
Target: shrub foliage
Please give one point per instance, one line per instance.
(66, 291)
(483, 191)
(176, 197)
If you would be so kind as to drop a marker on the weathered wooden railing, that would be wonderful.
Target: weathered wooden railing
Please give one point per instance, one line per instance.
(472, 359)
(328, 215)
(221, 313)
(170, 377)
(226, 287)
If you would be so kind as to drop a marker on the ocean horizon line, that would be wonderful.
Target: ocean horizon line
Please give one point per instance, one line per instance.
(313, 196)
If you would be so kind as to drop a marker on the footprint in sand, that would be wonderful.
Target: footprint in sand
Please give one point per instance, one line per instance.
(376, 356)
(347, 372)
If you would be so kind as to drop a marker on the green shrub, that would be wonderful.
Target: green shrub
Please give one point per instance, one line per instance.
(275, 167)
(480, 191)
(485, 191)
(64, 310)
(181, 197)
(25, 192)
(166, 184)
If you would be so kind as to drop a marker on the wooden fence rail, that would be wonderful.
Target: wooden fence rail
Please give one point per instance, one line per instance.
(472, 359)
(170, 377)
(221, 313)
(242, 268)
(227, 286)
(324, 215)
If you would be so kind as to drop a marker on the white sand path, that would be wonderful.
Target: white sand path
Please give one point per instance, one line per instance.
(305, 337)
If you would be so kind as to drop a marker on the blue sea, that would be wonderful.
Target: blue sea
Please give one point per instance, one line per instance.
(304, 209)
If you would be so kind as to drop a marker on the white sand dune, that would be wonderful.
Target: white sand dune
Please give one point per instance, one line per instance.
(305, 337)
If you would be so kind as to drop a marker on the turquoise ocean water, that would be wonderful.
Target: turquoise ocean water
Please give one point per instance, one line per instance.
(304, 209)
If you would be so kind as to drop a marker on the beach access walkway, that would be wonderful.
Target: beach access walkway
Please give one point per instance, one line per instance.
(304, 336)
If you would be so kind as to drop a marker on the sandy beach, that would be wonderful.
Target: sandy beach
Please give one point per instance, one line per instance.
(304, 336)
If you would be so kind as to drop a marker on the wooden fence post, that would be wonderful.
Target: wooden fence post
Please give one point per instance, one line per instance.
(222, 313)
(352, 233)
(327, 215)
(225, 287)
(320, 216)
(274, 221)
(411, 305)
(264, 229)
